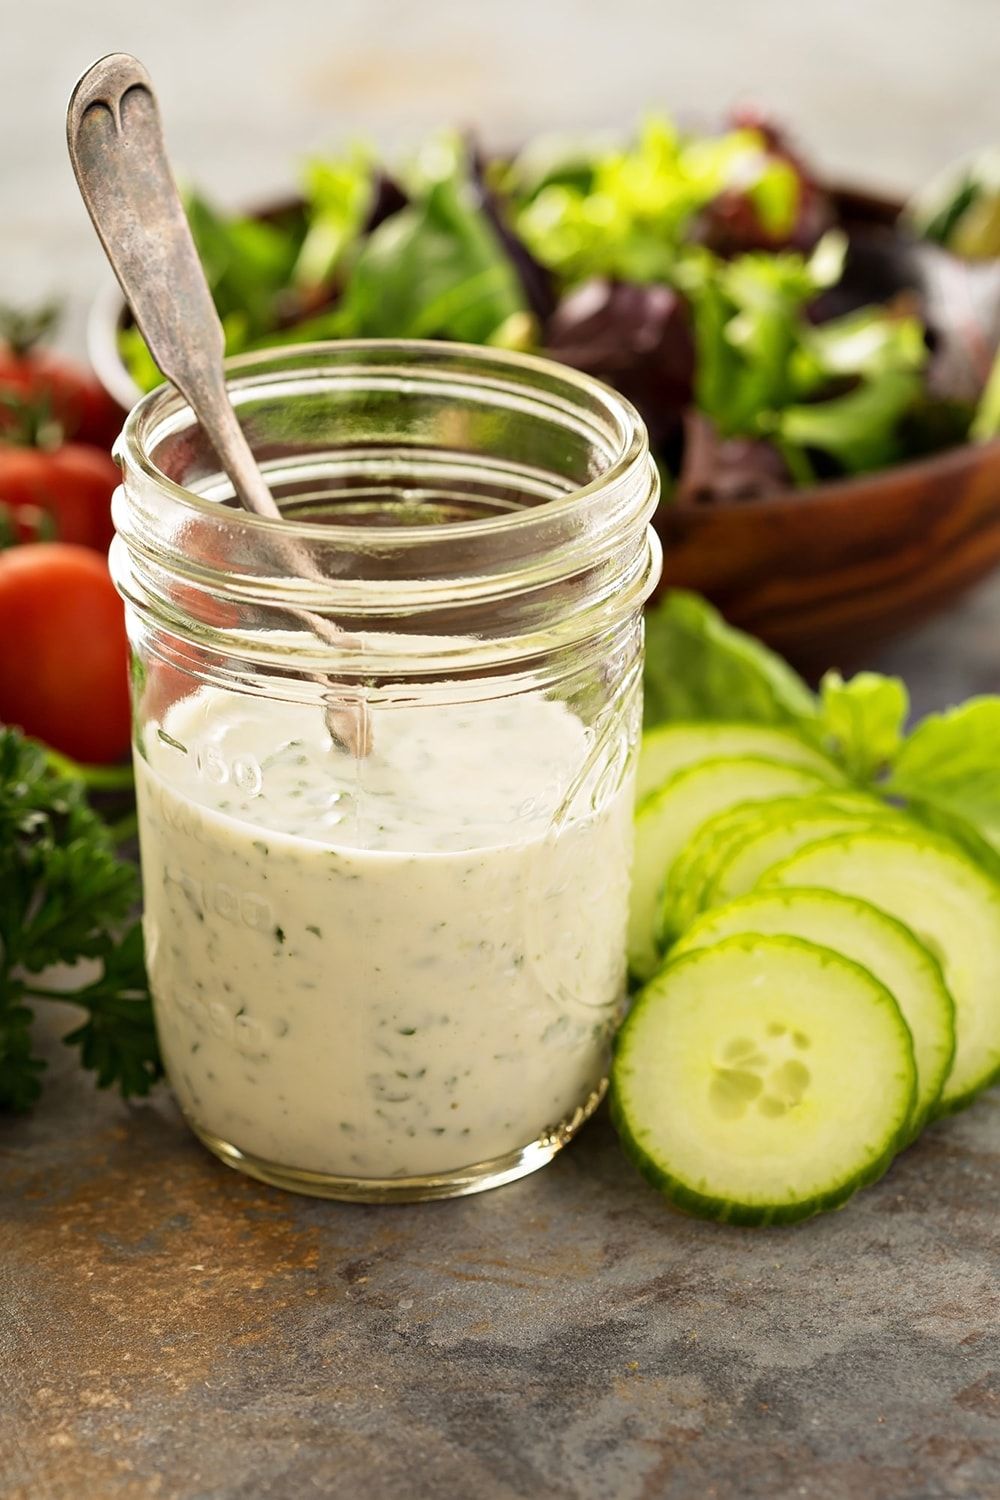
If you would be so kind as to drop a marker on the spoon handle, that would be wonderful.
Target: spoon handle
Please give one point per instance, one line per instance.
(116, 146)
(123, 172)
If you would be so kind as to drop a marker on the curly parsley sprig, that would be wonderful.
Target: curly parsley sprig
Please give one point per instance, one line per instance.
(65, 895)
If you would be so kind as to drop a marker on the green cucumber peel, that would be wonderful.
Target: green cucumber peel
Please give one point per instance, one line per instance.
(721, 1119)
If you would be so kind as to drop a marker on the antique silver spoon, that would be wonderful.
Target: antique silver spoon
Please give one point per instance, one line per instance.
(120, 160)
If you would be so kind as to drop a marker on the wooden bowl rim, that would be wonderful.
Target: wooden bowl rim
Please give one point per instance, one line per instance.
(934, 467)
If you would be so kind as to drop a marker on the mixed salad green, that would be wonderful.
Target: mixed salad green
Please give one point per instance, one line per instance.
(945, 771)
(770, 333)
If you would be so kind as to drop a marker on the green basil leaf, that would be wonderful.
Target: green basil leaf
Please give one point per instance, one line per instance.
(863, 719)
(952, 762)
(435, 269)
(698, 667)
(858, 429)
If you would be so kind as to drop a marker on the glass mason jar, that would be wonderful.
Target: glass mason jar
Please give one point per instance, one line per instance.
(384, 753)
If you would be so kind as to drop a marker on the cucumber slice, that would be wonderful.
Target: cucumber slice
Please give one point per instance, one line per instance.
(670, 748)
(716, 841)
(768, 842)
(947, 902)
(713, 840)
(762, 1079)
(871, 938)
(667, 819)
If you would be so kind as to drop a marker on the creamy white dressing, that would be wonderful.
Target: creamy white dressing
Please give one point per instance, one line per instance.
(399, 966)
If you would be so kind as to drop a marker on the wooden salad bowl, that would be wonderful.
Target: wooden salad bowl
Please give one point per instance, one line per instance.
(825, 574)
(829, 573)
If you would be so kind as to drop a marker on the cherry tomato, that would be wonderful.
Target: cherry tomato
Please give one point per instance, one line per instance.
(41, 379)
(25, 523)
(73, 484)
(75, 398)
(64, 662)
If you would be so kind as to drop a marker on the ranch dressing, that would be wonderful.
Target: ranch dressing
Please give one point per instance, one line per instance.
(392, 967)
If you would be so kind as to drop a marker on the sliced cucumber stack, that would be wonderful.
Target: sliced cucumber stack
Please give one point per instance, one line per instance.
(773, 838)
(871, 938)
(949, 904)
(713, 841)
(763, 1079)
(667, 819)
(833, 981)
(672, 747)
(691, 887)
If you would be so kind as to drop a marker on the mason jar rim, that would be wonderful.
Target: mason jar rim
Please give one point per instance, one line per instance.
(131, 446)
(567, 562)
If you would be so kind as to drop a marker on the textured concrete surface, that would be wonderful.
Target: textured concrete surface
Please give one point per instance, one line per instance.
(953, 657)
(170, 1331)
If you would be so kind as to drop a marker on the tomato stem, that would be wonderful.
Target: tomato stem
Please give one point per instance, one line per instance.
(21, 330)
(124, 828)
(97, 778)
(32, 422)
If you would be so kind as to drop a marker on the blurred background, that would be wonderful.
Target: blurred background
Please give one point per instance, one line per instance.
(876, 95)
(882, 93)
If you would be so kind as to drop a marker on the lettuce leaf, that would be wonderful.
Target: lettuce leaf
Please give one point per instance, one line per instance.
(247, 262)
(638, 339)
(986, 422)
(864, 343)
(339, 195)
(951, 762)
(435, 269)
(863, 721)
(625, 213)
(698, 667)
(946, 773)
(248, 265)
(859, 429)
(960, 208)
(749, 321)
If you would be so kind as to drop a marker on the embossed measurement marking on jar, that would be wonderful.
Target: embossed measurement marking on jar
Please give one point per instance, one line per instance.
(224, 900)
(232, 1027)
(243, 770)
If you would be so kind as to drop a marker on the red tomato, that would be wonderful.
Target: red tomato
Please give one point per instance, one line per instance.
(63, 651)
(77, 400)
(74, 484)
(25, 523)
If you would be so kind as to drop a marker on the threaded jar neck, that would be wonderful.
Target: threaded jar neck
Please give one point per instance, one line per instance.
(457, 505)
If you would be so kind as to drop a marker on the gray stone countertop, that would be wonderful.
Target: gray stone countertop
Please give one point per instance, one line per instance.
(172, 1331)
